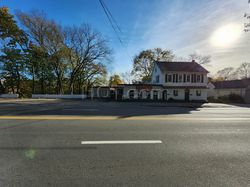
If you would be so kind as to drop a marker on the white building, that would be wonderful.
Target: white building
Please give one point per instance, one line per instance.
(171, 81)
(225, 88)
(181, 80)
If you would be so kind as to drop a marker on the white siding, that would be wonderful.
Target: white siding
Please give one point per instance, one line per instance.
(193, 95)
(224, 92)
(155, 73)
(126, 90)
(183, 83)
(181, 94)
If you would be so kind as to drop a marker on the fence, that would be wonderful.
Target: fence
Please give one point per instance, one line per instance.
(55, 96)
(9, 95)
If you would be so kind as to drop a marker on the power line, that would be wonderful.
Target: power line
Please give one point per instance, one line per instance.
(114, 25)
(110, 21)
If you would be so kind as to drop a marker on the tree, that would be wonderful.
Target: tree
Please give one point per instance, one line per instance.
(13, 52)
(50, 55)
(115, 80)
(127, 77)
(89, 76)
(47, 37)
(13, 68)
(244, 70)
(200, 59)
(144, 62)
(9, 29)
(247, 24)
(226, 73)
(86, 48)
(1, 87)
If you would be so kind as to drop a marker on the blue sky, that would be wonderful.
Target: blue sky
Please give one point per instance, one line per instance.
(183, 26)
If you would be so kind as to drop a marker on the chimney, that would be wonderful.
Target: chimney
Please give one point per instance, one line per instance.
(193, 60)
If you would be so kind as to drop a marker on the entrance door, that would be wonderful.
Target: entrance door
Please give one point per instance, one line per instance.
(119, 94)
(155, 95)
(187, 95)
(112, 94)
(164, 95)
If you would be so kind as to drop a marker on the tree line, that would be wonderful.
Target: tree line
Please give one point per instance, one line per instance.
(230, 73)
(144, 61)
(41, 56)
(143, 64)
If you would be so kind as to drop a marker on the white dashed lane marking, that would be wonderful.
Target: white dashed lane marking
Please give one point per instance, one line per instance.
(121, 142)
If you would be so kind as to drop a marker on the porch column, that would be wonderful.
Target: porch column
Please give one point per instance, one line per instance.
(135, 94)
(152, 94)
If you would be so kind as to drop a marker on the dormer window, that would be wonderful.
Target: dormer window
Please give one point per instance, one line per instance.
(157, 79)
(180, 78)
(198, 78)
(169, 78)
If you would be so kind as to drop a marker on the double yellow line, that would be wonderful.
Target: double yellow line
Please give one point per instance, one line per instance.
(100, 118)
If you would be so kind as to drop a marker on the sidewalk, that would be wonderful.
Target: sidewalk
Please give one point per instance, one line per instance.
(195, 105)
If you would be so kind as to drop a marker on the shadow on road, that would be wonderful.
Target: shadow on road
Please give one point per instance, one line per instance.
(95, 108)
(48, 148)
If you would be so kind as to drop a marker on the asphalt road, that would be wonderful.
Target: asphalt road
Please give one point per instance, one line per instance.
(40, 144)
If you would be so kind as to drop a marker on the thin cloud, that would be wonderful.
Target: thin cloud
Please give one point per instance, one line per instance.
(187, 26)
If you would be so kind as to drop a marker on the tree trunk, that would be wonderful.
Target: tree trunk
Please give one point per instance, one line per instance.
(71, 85)
(71, 88)
(42, 86)
(60, 83)
(33, 80)
(1, 88)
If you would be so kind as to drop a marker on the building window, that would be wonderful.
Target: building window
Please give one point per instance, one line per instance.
(180, 78)
(193, 78)
(198, 92)
(155, 95)
(166, 78)
(198, 78)
(148, 95)
(175, 77)
(202, 78)
(169, 78)
(188, 78)
(184, 78)
(131, 94)
(157, 79)
(175, 92)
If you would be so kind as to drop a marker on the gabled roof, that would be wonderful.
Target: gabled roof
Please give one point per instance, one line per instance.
(180, 66)
(244, 83)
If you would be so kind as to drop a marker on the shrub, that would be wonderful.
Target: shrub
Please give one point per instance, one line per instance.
(231, 98)
(211, 99)
(171, 100)
(235, 98)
